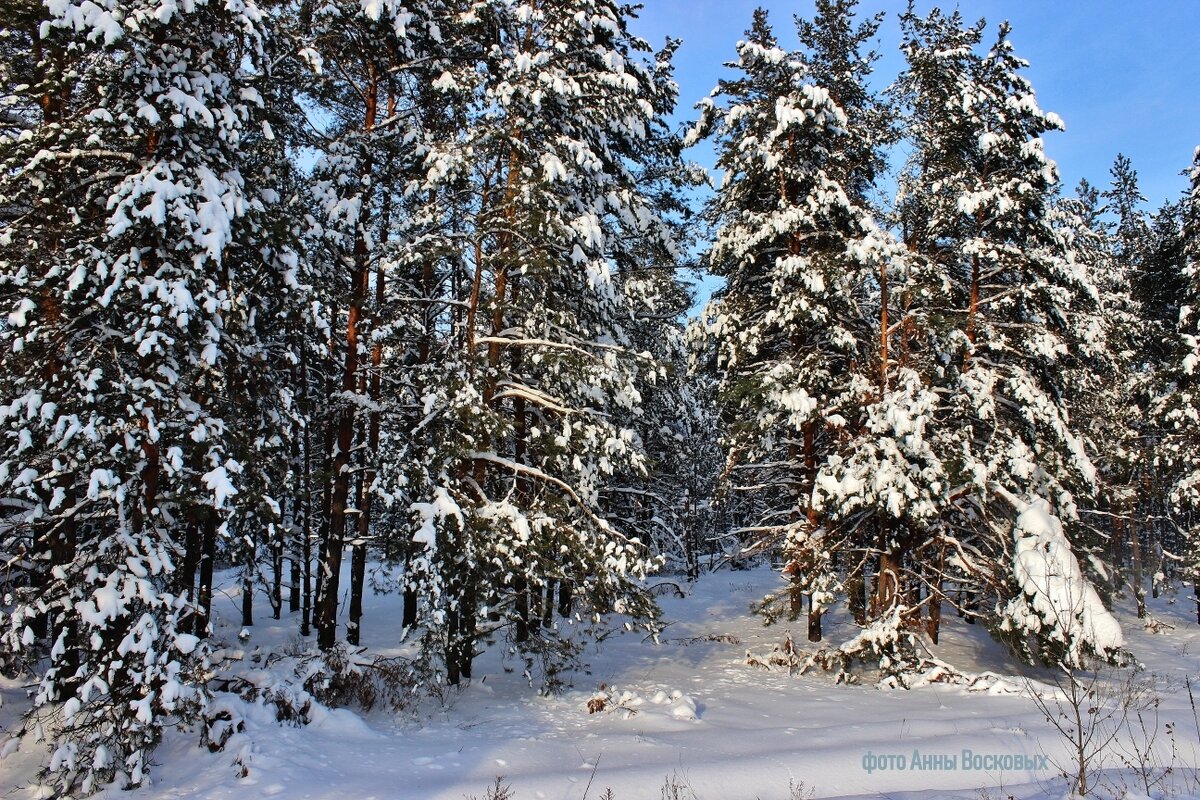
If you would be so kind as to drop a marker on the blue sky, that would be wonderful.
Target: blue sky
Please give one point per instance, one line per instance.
(1123, 74)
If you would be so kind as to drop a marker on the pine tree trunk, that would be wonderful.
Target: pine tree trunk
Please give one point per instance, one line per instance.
(495, 351)
(1196, 593)
(521, 611)
(535, 607)
(186, 578)
(934, 626)
(455, 628)
(277, 543)
(814, 623)
(530, 614)
(150, 476)
(795, 587)
(358, 575)
(63, 550)
(208, 557)
(1114, 552)
(429, 319)
(248, 566)
(374, 383)
(326, 515)
(564, 599)
(690, 556)
(55, 539)
(855, 589)
(468, 622)
(294, 585)
(1139, 590)
(453, 647)
(887, 580)
(973, 310)
(306, 598)
(296, 545)
(332, 551)
(358, 554)
(810, 483)
(332, 547)
(548, 605)
(408, 614)
(883, 329)
(1157, 579)
(460, 633)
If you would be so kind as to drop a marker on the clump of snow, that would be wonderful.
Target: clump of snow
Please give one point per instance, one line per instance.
(219, 483)
(441, 508)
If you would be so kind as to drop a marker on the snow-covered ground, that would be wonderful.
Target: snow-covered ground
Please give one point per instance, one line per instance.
(686, 711)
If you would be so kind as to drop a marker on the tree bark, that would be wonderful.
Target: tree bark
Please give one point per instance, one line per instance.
(887, 581)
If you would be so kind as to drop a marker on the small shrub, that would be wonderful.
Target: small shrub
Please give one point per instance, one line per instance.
(497, 791)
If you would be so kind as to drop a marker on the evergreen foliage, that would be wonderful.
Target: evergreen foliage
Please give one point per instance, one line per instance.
(329, 292)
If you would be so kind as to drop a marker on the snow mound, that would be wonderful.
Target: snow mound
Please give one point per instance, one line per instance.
(664, 702)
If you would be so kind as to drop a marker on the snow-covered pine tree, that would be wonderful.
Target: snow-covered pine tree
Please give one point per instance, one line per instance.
(1109, 390)
(143, 270)
(799, 247)
(880, 494)
(1146, 261)
(1181, 395)
(1161, 287)
(1159, 281)
(563, 111)
(1129, 229)
(369, 96)
(1007, 328)
(665, 502)
(428, 283)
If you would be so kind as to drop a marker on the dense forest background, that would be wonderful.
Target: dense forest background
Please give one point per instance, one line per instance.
(295, 283)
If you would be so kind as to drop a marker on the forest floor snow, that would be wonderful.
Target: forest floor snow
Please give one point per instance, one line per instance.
(685, 719)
